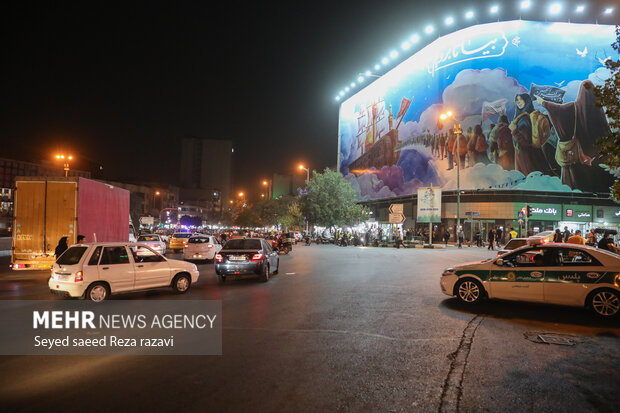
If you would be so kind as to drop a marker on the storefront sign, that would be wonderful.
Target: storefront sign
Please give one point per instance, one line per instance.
(429, 204)
(542, 212)
(577, 213)
(609, 214)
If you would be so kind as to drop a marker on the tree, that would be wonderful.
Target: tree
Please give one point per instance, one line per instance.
(330, 200)
(247, 218)
(293, 217)
(609, 98)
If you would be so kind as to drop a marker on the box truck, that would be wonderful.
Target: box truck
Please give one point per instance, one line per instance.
(49, 208)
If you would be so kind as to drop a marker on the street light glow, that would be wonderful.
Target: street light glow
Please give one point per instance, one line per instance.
(555, 8)
(429, 29)
(494, 9)
(469, 14)
(360, 79)
(385, 60)
(405, 45)
(580, 9)
(414, 38)
(608, 10)
(346, 89)
(352, 84)
(377, 66)
(341, 93)
(393, 54)
(526, 4)
(449, 21)
(368, 73)
(240, 193)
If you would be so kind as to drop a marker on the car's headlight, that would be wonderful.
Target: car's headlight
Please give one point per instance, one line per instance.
(448, 271)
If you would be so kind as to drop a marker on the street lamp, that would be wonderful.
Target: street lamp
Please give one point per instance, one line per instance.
(448, 115)
(307, 172)
(269, 184)
(65, 159)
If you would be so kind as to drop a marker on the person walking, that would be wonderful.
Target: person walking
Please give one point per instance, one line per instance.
(577, 239)
(498, 237)
(491, 239)
(461, 238)
(592, 238)
(446, 237)
(61, 247)
(567, 234)
(557, 237)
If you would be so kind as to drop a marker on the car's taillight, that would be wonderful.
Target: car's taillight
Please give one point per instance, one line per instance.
(185, 246)
(219, 258)
(257, 257)
(209, 245)
(79, 276)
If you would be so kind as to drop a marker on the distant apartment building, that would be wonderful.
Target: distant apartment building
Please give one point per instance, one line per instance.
(206, 173)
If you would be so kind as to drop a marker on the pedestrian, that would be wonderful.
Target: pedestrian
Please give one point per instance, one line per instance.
(557, 237)
(512, 234)
(461, 238)
(478, 239)
(591, 241)
(80, 238)
(567, 234)
(446, 236)
(491, 239)
(498, 236)
(61, 247)
(607, 243)
(577, 239)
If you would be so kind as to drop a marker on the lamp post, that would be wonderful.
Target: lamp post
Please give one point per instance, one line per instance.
(269, 184)
(65, 159)
(307, 179)
(457, 131)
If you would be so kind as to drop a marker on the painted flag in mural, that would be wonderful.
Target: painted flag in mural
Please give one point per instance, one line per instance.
(493, 108)
(404, 105)
(548, 93)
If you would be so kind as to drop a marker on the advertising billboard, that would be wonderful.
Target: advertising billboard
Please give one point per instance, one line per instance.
(429, 204)
(518, 94)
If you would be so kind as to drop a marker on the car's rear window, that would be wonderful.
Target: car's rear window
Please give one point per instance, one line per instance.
(198, 240)
(71, 256)
(515, 243)
(148, 238)
(181, 235)
(243, 244)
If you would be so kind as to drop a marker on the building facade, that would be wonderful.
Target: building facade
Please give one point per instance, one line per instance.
(503, 113)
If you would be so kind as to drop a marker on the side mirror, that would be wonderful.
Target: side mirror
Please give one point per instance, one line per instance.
(499, 262)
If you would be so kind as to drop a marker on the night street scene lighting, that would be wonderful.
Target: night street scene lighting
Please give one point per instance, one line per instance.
(370, 207)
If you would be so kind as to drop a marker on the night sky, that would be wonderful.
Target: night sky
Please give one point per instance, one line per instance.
(120, 85)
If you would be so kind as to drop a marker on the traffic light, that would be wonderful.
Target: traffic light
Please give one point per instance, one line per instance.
(529, 211)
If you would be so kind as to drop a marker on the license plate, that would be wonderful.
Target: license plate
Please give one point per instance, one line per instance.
(61, 276)
(236, 258)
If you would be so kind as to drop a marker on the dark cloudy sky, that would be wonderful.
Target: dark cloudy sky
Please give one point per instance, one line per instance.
(121, 84)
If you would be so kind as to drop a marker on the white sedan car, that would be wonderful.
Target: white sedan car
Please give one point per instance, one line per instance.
(201, 248)
(564, 274)
(153, 241)
(94, 271)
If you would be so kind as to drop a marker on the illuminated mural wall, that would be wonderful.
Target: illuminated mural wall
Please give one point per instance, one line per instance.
(522, 93)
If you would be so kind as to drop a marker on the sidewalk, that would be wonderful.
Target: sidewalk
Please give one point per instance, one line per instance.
(5, 246)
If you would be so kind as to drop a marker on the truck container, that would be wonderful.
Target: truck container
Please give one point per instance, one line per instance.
(49, 208)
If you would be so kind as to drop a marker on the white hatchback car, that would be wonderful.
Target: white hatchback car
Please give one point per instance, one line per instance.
(565, 274)
(201, 247)
(94, 271)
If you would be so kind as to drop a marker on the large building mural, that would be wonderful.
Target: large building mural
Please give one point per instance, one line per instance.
(521, 94)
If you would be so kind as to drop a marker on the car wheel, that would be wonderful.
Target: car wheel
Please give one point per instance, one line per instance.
(221, 279)
(264, 276)
(181, 283)
(605, 303)
(277, 267)
(97, 292)
(469, 291)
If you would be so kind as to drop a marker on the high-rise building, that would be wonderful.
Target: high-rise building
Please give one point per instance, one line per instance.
(206, 171)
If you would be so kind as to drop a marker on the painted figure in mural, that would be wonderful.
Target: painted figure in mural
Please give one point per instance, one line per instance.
(451, 145)
(505, 147)
(471, 143)
(579, 124)
(460, 149)
(492, 144)
(528, 155)
(442, 145)
(480, 146)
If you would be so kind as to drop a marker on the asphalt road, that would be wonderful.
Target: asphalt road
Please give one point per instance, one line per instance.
(339, 329)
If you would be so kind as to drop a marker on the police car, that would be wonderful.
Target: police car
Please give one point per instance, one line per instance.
(565, 274)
